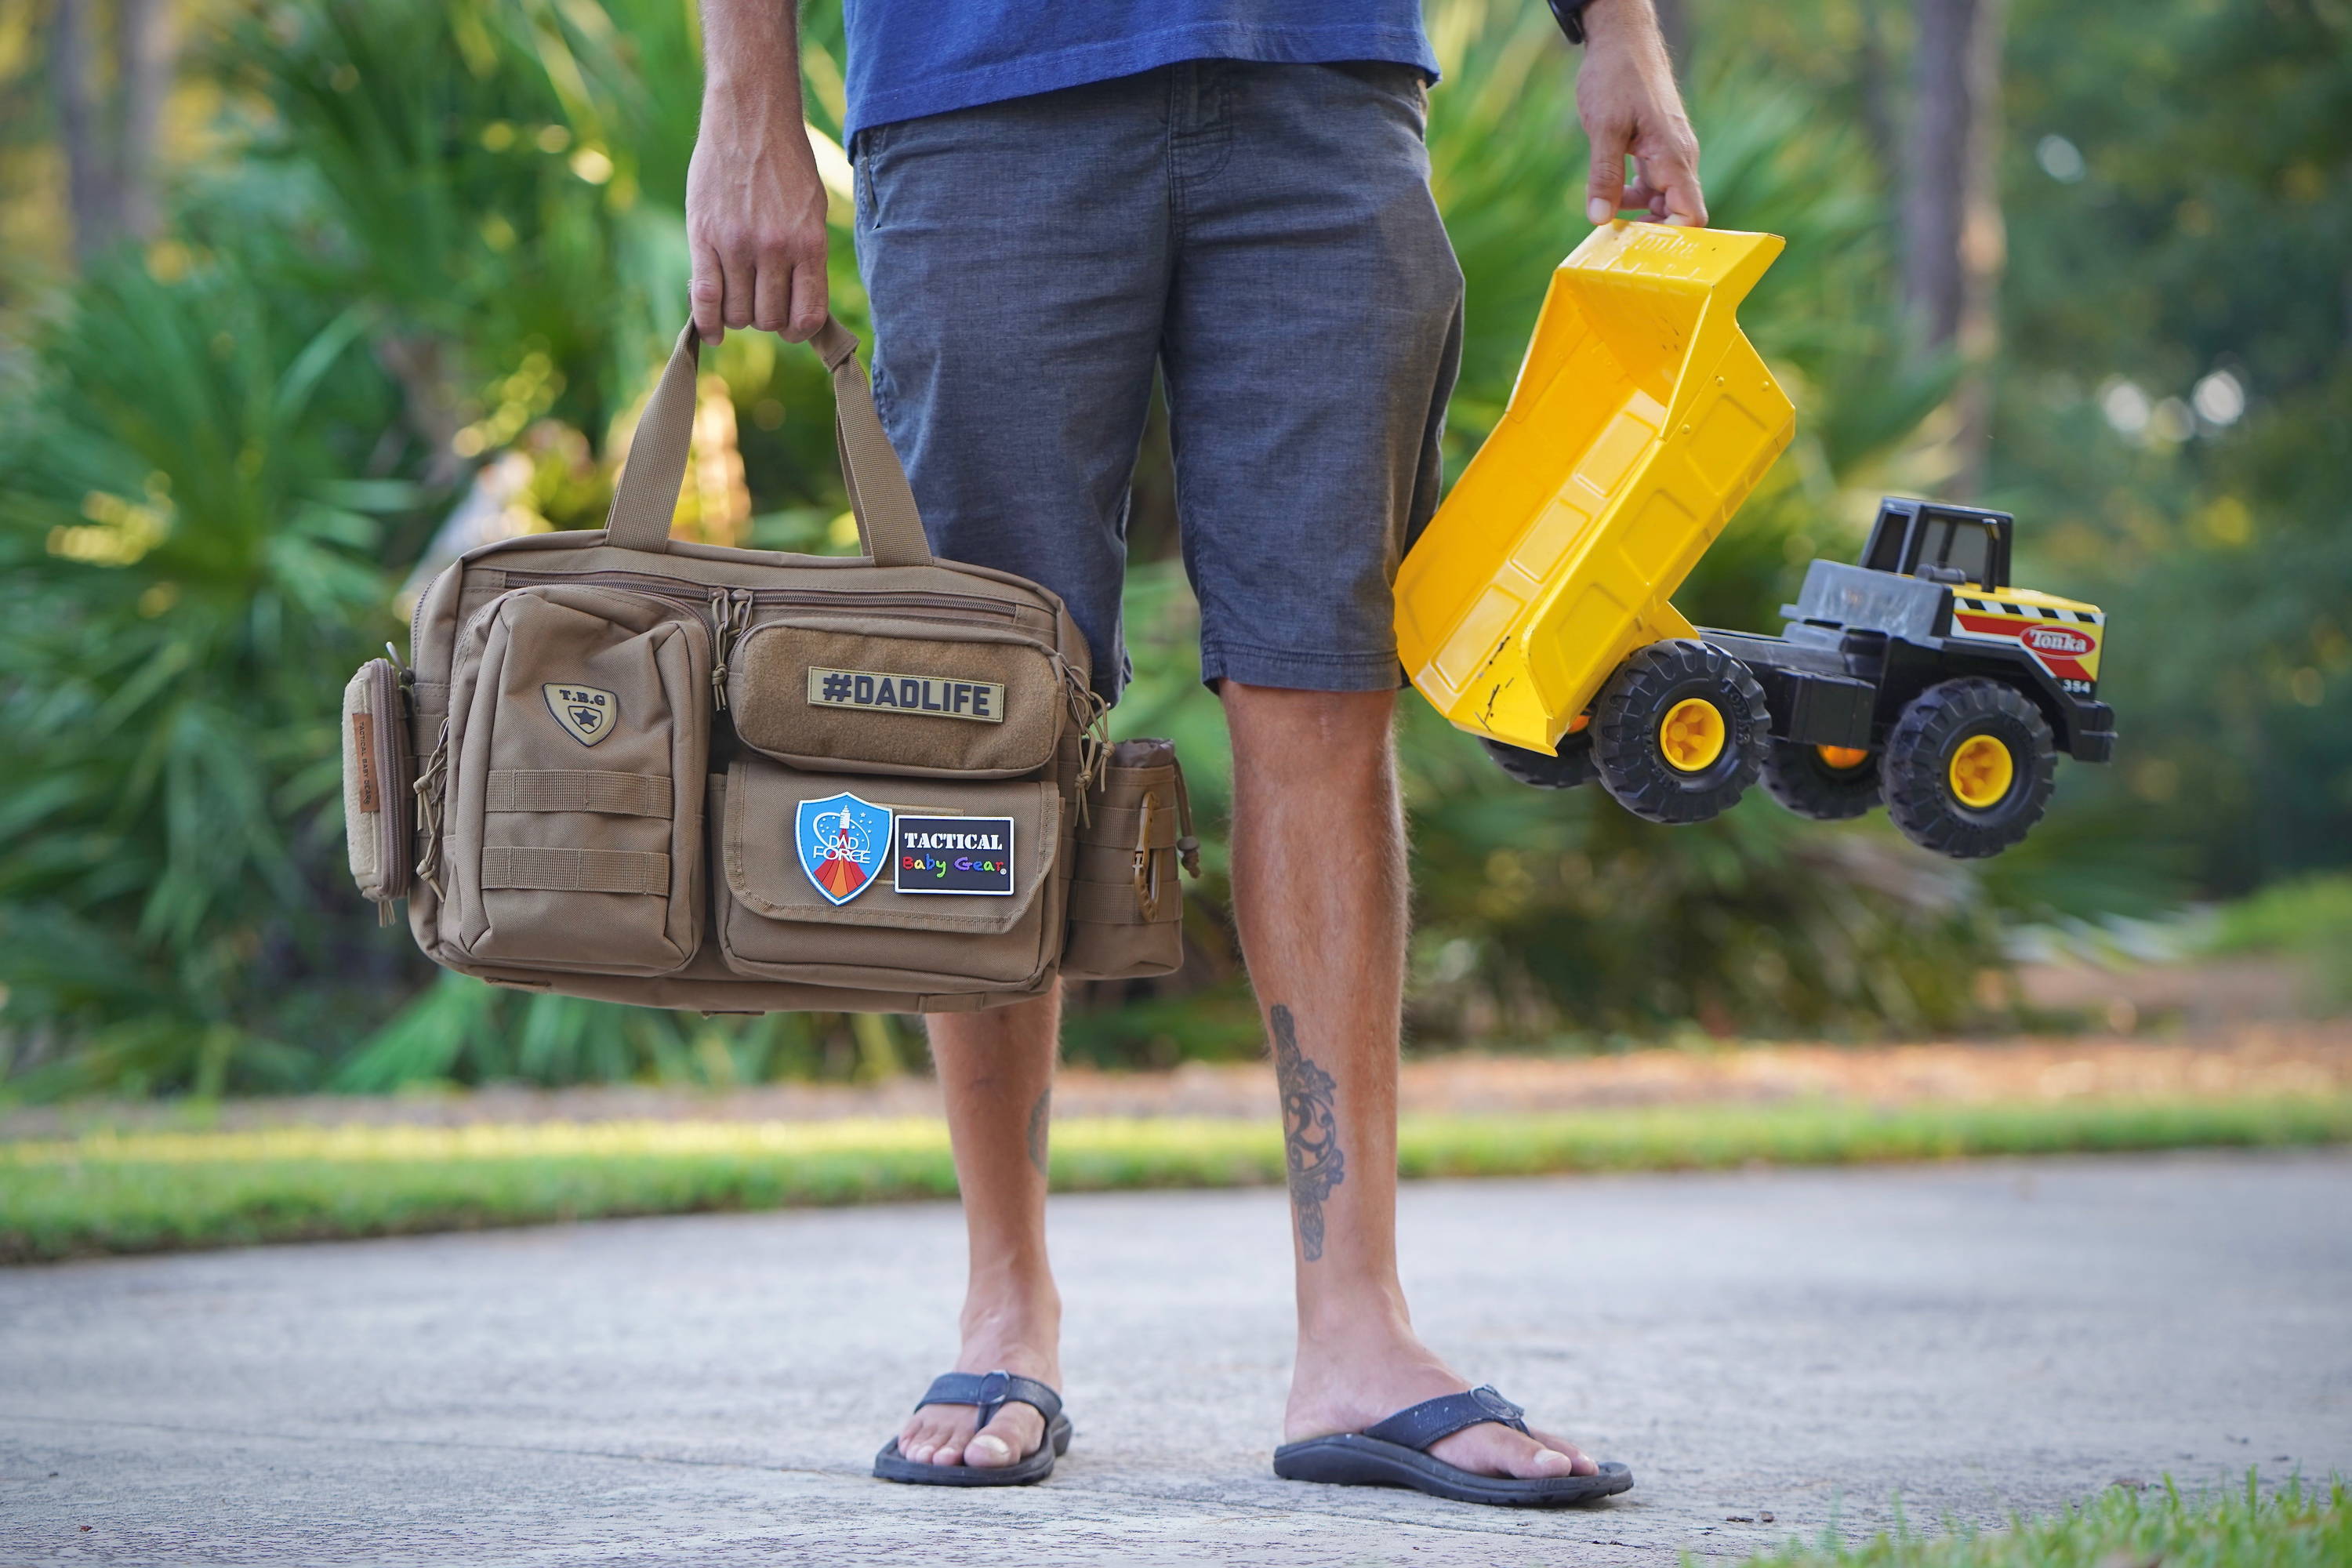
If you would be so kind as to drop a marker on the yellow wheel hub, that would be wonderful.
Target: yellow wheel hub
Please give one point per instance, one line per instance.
(1693, 734)
(1981, 772)
(1843, 757)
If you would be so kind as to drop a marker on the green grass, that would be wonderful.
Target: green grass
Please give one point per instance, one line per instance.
(2296, 1526)
(144, 1191)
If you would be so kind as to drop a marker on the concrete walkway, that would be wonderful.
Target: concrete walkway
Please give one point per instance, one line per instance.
(1808, 1344)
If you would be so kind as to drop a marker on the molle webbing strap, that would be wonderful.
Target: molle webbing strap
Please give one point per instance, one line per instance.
(551, 789)
(574, 870)
(1150, 827)
(887, 523)
(1108, 903)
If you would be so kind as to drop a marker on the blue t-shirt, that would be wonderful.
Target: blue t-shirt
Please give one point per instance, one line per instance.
(912, 58)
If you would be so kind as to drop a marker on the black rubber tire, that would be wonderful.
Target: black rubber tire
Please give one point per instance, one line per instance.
(1917, 770)
(1799, 778)
(1572, 767)
(1625, 719)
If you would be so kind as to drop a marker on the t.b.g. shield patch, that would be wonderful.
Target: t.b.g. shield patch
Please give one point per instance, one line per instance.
(841, 840)
(586, 712)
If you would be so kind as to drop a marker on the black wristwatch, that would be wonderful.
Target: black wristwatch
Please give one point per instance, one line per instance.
(1570, 16)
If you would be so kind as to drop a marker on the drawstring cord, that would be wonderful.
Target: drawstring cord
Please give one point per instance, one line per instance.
(428, 788)
(731, 615)
(1188, 849)
(1091, 714)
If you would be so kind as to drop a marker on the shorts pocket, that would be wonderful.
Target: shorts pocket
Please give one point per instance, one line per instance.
(379, 780)
(844, 694)
(1127, 909)
(576, 752)
(883, 882)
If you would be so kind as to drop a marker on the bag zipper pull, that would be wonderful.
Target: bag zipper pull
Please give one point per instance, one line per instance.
(1092, 715)
(727, 606)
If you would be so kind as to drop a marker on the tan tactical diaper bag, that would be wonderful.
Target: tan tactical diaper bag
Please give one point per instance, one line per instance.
(645, 770)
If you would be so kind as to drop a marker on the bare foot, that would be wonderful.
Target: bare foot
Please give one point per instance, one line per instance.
(1025, 1339)
(1351, 1378)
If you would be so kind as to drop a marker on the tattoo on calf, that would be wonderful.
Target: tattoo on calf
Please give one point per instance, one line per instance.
(1040, 1115)
(1310, 1132)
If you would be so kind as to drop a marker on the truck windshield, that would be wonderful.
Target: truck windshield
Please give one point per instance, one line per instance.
(1959, 544)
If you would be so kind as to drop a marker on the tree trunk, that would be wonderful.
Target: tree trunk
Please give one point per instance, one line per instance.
(1877, 100)
(109, 136)
(146, 50)
(92, 201)
(1952, 240)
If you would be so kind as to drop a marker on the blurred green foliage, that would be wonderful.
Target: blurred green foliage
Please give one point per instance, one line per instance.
(413, 236)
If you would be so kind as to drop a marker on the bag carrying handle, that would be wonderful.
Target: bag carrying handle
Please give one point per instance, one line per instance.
(889, 529)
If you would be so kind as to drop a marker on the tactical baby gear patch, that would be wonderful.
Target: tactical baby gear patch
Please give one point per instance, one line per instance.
(881, 692)
(586, 712)
(841, 840)
(955, 854)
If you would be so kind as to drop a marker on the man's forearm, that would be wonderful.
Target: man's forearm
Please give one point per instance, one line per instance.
(1624, 23)
(751, 57)
(755, 210)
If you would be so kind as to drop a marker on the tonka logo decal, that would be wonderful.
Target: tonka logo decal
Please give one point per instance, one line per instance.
(2057, 639)
(586, 712)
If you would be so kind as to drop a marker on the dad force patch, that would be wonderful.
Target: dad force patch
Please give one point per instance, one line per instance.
(954, 855)
(878, 691)
(841, 840)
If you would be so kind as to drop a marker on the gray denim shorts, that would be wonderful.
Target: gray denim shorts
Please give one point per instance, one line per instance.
(1262, 234)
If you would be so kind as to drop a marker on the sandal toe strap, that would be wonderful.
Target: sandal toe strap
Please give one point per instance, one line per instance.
(1416, 1427)
(992, 1391)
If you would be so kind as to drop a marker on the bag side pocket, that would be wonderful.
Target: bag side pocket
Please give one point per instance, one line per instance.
(1127, 909)
(379, 779)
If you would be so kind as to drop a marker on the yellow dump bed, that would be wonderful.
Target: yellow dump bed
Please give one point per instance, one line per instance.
(1642, 418)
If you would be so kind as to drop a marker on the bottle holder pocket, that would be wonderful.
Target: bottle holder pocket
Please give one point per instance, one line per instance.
(379, 784)
(1127, 909)
(831, 879)
(575, 753)
(840, 694)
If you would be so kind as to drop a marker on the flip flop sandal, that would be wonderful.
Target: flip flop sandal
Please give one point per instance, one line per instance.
(1392, 1453)
(992, 1392)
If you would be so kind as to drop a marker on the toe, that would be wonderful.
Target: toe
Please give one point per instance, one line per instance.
(1496, 1450)
(935, 1434)
(1578, 1464)
(1015, 1432)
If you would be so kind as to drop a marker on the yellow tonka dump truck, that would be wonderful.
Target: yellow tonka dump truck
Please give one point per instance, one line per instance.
(1533, 610)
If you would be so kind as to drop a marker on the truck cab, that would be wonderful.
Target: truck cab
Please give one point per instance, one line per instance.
(1932, 599)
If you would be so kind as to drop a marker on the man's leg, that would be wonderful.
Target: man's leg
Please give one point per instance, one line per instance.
(1319, 893)
(997, 1070)
(1015, 256)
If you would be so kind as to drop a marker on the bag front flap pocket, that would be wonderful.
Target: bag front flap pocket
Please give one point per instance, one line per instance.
(887, 853)
(859, 693)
